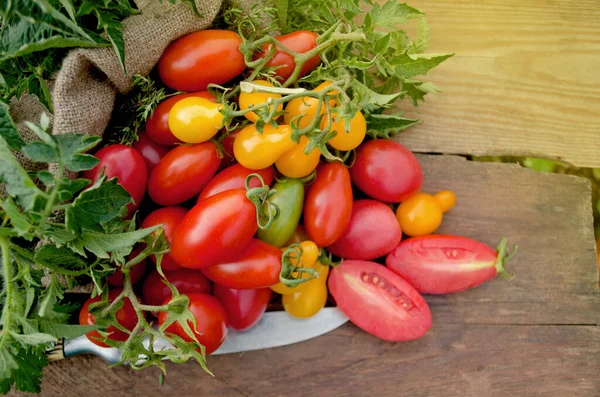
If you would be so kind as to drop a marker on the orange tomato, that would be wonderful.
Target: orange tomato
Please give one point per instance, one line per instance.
(422, 213)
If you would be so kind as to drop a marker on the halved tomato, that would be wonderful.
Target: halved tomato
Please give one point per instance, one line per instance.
(379, 301)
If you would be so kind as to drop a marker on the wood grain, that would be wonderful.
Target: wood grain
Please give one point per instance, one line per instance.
(536, 335)
(525, 80)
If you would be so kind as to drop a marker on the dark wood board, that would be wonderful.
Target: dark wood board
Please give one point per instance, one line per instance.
(536, 335)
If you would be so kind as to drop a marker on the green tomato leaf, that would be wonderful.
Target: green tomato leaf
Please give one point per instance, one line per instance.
(19, 221)
(33, 339)
(66, 330)
(387, 125)
(393, 13)
(40, 152)
(411, 65)
(101, 244)
(8, 129)
(282, 11)
(416, 90)
(100, 203)
(72, 147)
(45, 177)
(371, 100)
(22, 368)
(59, 259)
(540, 165)
(422, 41)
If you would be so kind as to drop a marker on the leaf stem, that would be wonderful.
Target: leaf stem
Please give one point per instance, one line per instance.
(8, 287)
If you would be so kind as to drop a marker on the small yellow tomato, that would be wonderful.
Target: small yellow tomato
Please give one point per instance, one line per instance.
(306, 303)
(422, 213)
(310, 253)
(295, 163)
(307, 107)
(195, 120)
(249, 99)
(347, 139)
(256, 151)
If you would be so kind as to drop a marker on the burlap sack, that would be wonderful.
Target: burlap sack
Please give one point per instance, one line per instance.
(84, 89)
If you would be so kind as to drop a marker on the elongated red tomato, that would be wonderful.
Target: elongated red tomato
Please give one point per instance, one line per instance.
(257, 266)
(155, 291)
(151, 151)
(128, 165)
(373, 232)
(244, 307)
(328, 204)
(157, 126)
(386, 171)
(441, 264)
(136, 273)
(234, 177)
(192, 62)
(301, 41)
(125, 316)
(183, 173)
(169, 217)
(211, 321)
(379, 301)
(216, 230)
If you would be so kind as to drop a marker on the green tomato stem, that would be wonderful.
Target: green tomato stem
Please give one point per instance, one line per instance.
(8, 287)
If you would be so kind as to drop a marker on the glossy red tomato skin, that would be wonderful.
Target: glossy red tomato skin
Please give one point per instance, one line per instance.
(192, 62)
(227, 142)
(234, 177)
(136, 273)
(215, 230)
(128, 165)
(183, 173)
(157, 125)
(151, 151)
(442, 264)
(169, 217)
(211, 321)
(257, 266)
(244, 307)
(386, 171)
(373, 232)
(328, 204)
(300, 41)
(126, 316)
(155, 291)
(379, 301)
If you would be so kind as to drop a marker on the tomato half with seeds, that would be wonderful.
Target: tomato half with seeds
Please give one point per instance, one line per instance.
(125, 316)
(328, 206)
(300, 41)
(155, 291)
(128, 165)
(442, 264)
(244, 307)
(157, 126)
(256, 266)
(135, 273)
(379, 301)
(386, 171)
(373, 232)
(192, 62)
(216, 230)
(234, 177)
(151, 151)
(169, 217)
(211, 321)
(183, 173)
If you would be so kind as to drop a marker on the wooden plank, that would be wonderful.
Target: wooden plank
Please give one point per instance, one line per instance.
(535, 335)
(524, 80)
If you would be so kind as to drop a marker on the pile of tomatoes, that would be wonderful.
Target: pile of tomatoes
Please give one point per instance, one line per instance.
(312, 235)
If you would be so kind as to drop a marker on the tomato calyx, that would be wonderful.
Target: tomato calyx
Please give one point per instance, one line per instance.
(326, 258)
(288, 268)
(266, 212)
(503, 257)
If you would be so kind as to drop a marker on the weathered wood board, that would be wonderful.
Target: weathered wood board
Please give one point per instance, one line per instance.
(536, 335)
(524, 80)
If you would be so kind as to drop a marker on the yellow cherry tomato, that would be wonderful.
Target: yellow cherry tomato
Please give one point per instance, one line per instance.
(256, 151)
(347, 139)
(307, 107)
(306, 303)
(295, 163)
(310, 253)
(249, 99)
(422, 213)
(194, 119)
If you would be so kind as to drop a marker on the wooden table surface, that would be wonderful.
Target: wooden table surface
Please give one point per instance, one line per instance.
(525, 81)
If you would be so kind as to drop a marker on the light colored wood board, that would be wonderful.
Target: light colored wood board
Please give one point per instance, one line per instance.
(525, 80)
(452, 360)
